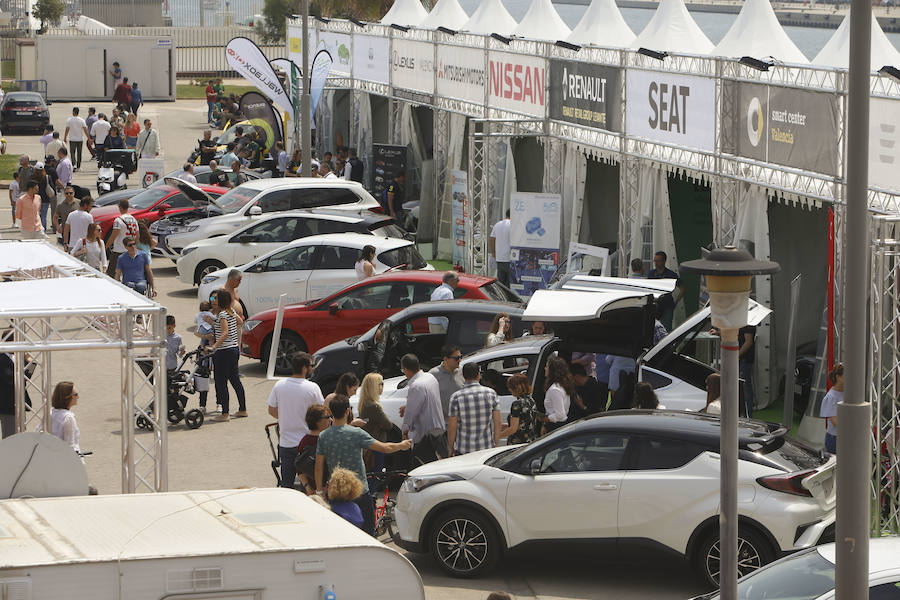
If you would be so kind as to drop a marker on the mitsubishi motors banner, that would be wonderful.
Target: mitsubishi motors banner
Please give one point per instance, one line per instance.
(784, 126)
(460, 73)
(534, 240)
(585, 94)
(517, 83)
(674, 109)
(370, 59)
(338, 45)
(884, 143)
(247, 59)
(412, 68)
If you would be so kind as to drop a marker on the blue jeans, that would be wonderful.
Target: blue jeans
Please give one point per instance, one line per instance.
(209, 111)
(831, 442)
(288, 472)
(745, 371)
(45, 208)
(139, 286)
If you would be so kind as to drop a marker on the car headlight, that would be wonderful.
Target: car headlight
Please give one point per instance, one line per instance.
(417, 483)
(187, 251)
(251, 324)
(208, 278)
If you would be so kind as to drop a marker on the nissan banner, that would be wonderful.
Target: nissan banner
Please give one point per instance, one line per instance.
(585, 94)
(460, 73)
(517, 83)
(783, 126)
(412, 68)
(247, 59)
(674, 109)
(370, 59)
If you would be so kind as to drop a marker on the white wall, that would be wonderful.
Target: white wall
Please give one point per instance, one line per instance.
(76, 68)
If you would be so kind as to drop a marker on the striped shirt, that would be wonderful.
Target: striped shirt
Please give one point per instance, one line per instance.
(231, 340)
(474, 404)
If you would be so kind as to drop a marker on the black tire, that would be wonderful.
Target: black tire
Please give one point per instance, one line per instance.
(464, 543)
(288, 343)
(143, 423)
(205, 268)
(175, 415)
(754, 551)
(194, 418)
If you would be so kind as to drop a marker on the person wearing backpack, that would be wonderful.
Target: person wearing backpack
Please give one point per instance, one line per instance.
(318, 419)
(289, 402)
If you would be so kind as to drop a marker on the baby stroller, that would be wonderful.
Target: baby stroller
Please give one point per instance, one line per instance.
(114, 169)
(179, 382)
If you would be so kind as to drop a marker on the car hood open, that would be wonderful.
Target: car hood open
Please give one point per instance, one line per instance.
(190, 190)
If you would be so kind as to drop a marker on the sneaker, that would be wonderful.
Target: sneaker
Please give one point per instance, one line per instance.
(221, 418)
(240, 413)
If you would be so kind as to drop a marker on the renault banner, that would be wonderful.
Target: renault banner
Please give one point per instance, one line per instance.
(460, 73)
(784, 126)
(247, 59)
(674, 109)
(412, 68)
(884, 144)
(370, 59)
(585, 94)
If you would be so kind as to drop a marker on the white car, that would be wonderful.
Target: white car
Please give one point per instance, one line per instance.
(272, 231)
(809, 575)
(621, 477)
(250, 200)
(311, 267)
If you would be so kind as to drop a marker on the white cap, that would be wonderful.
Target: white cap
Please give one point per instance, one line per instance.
(39, 165)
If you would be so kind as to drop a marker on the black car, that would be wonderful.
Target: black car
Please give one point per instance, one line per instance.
(467, 324)
(24, 110)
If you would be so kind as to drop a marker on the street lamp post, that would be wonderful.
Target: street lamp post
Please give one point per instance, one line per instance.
(728, 272)
(306, 131)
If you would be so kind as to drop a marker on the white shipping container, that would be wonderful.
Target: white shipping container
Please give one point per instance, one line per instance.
(258, 544)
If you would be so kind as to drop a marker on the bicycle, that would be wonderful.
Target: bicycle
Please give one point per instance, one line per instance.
(385, 531)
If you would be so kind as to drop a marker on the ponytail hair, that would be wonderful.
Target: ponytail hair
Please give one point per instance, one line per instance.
(835, 371)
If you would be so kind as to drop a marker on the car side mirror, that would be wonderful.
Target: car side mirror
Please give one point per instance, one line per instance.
(255, 211)
(259, 268)
(534, 467)
(333, 307)
(246, 239)
(361, 347)
(164, 207)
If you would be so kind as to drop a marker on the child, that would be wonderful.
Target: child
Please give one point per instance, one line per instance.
(204, 320)
(343, 488)
(174, 345)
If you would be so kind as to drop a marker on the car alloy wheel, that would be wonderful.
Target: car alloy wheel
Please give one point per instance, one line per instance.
(288, 344)
(753, 553)
(207, 267)
(464, 543)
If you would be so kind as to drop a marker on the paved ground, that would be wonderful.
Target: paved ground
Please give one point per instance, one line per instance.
(235, 454)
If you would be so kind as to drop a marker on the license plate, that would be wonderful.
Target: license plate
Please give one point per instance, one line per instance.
(22, 113)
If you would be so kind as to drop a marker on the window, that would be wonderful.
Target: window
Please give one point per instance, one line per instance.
(405, 255)
(407, 294)
(292, 259)
(388, 229)
(179, 201)
(323, 226)
(654, 454)
(337, 257)
(885, 591)
(472, 332)
(594, 452)
(499, 292)
(370, 297)
(314, 197)
(655, 379)
(273, 230)
(275, 201)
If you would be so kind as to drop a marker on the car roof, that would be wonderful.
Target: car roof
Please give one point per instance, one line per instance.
(352, 240)
(700, 428)
(344, 216)
(298, 182)
(884, 553)
(463, 305)
(467, 280)
(593, 283)
(530, 344)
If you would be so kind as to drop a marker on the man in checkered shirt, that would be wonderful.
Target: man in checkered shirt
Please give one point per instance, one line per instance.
(474, 415)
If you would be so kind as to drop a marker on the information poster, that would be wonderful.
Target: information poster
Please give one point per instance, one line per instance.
(389, 160)
(459, 188)
(534, 240)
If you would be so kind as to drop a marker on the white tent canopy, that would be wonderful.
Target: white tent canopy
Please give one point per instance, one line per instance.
(446, 13)
(408, 13)
(672, 29)
(30, 255)
(490, 17)
(756, 32)
(68, 293)
(91, 26)
(542, 22)
(836, 52)
(602, 25)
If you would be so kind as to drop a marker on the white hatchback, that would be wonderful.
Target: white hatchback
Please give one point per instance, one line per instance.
(311, 267)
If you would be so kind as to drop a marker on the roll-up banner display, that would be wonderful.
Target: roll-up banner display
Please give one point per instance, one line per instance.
(784, 126)
(586, 94)
(460, 73)
(247, 59)
(517, 83)
(412, 70)
(370, 59)
(674, 109)
(534, 240)
(338, 45)
(884, 144)
(459, 188)
(264, 117)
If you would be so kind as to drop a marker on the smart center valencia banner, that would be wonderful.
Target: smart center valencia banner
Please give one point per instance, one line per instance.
(674, 109)
(784, 126)
(585, 94)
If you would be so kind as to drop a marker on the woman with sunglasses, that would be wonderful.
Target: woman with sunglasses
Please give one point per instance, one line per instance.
(318, 419)
(62, 419)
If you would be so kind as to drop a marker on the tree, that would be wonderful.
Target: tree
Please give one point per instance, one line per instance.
(274, 11)
(49, 11)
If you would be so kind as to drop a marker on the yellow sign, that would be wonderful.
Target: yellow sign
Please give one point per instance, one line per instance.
(296, 46)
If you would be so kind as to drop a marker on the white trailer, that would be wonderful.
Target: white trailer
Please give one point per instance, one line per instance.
(251, 544)
(77, 67)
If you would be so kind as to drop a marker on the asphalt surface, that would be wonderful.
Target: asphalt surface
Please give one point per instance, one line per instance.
(236, 454)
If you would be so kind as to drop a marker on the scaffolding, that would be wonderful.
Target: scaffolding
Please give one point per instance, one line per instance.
(51, 302)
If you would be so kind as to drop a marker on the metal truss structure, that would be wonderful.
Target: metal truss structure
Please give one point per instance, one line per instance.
(139, 335)
(441, 177)
(884, 375)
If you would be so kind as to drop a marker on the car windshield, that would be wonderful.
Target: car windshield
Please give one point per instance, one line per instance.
(150, 197)
(229, 134)
(802, 576)
(389, 230)
(499, 292)
(505, 458)
(23, 101)
(408, 256)
(235, 199)
(790, 456)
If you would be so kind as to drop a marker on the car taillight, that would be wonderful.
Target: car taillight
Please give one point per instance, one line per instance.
(789, 483)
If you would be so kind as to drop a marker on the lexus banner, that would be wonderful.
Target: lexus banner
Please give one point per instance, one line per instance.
(247, 59)
(784, 126)
(585, 94)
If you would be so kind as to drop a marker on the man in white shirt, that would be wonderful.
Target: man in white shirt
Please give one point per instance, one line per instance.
(288, 402)
(54, 145)
(188, 174)
(123, 227)
(500, 248)
(443, 292)
(99, 131)
(423, 417)
(76, 132)
(77, 223)
(325, 171)
(148, 141)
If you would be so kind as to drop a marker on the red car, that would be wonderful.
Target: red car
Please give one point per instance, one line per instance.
(155, 203)
(354, 310)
